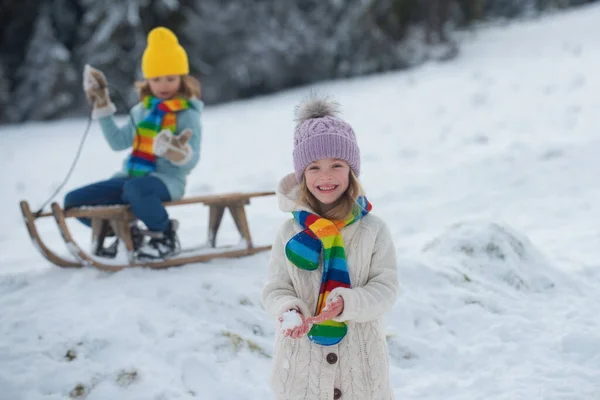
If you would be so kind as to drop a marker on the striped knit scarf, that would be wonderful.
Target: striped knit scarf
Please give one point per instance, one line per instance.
(304, 250)
(162, 116)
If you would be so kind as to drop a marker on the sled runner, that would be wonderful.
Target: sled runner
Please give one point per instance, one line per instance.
(120, 217)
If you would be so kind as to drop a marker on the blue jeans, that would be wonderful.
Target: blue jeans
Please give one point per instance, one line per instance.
(144, 194)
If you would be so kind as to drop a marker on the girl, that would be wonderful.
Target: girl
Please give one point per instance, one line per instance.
(165, 141)
(332, 258)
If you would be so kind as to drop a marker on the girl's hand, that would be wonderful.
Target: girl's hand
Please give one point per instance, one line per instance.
(294, 325)
(174, 148)
(331, 310)
(95, 87)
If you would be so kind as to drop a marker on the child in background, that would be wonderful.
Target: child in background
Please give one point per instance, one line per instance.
(165, 144)
(332, 272)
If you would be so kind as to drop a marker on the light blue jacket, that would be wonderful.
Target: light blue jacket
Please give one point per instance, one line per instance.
(173, 176)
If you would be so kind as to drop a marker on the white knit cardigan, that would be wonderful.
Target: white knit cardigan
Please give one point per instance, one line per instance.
(357, 367)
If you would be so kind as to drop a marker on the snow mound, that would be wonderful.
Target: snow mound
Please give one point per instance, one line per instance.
(489, 252)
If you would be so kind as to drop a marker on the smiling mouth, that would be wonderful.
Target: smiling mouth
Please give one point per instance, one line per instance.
(327, 188)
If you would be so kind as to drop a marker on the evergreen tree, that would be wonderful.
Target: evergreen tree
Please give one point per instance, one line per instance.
(46, 79)
(236, 48)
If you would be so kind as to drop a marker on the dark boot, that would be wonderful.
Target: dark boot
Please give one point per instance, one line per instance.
(99, 248)
(111, 250)
(137, 236)
(161, 245)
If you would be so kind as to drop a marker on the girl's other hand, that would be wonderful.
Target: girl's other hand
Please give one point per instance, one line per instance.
(331, 310)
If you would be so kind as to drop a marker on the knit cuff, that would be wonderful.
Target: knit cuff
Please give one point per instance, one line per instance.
(350, 304)
(105, 111)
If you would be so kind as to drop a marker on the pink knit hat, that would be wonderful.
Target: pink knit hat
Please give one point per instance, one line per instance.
(320, 133)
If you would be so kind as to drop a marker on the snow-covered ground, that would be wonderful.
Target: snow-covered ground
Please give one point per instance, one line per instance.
(486, 169)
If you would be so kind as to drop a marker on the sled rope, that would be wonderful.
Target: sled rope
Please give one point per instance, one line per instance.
(79, 150)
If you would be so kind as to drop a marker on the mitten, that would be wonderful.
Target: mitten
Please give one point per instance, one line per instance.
(174, 148)
(96, 91)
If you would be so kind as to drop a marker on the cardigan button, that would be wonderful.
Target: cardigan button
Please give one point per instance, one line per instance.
(337, 394)
(332, 358)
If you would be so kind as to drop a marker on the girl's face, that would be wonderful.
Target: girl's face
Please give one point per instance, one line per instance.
(165, 87)
(327, 179)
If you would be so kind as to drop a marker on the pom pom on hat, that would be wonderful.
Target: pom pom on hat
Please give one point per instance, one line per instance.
(316, 107)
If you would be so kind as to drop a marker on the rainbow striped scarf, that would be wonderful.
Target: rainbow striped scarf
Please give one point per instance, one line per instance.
(304, 250)
(162, 116)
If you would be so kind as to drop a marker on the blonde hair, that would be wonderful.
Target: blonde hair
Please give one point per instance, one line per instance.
(189, 87)
(342, 206)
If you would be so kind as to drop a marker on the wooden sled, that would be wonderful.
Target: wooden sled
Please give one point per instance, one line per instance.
(120, 217)
(51, 256)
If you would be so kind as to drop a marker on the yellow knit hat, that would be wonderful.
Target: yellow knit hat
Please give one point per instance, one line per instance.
(164, 55)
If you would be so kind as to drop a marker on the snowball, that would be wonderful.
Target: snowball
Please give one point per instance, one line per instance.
(291, 319)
